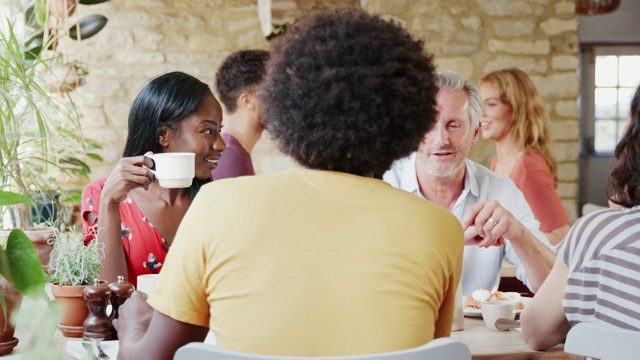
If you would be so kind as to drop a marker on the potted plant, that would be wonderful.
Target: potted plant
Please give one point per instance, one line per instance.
(75, 266)
(20, 273)
(50, 20)
(41, 141)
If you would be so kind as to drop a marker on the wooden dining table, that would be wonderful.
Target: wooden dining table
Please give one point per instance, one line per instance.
(502, 345)
(483, 343)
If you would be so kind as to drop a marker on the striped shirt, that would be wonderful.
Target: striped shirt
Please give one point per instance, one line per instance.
(602, 253)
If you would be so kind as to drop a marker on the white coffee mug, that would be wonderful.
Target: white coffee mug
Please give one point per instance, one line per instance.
(497, 309)
(174, 169)
(147, 282)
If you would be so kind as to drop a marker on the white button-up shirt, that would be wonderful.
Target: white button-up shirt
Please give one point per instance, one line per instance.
(480, 266)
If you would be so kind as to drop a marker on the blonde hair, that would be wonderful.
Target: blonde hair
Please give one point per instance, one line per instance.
(530, 127)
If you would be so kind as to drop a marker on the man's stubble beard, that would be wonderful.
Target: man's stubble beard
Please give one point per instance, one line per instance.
(438, 171)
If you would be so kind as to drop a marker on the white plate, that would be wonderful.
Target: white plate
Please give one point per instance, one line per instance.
(472, 312)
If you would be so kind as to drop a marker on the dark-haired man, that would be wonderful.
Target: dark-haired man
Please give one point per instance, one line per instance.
(237, 81)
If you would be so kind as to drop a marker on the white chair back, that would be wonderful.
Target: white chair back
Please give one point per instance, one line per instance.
(443, 348)
(602, 341)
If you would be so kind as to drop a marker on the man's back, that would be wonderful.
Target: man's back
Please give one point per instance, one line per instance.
(321, 263)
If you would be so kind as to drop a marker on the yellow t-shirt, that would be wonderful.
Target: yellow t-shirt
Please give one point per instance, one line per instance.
(314, 263)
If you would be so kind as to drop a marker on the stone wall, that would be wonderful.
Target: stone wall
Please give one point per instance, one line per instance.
(288, 11)
(474, 37)
(145, 38)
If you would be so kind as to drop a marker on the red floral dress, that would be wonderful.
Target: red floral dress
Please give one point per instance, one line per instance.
(144, 248)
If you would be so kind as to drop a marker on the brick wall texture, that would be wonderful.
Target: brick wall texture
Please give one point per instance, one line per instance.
(146, 38)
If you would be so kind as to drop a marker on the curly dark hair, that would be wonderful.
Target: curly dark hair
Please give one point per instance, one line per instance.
(348, 91)
(624, 181)
(240, 72)
(163, 102)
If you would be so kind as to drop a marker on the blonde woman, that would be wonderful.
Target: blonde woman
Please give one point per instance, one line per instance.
(515, 119)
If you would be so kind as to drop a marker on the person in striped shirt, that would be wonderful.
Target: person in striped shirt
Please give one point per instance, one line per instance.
(595, 276)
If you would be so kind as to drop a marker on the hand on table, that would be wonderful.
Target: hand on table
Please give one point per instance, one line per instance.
(134, 316)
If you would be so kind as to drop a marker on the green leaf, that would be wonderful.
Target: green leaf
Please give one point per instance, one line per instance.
(40, 12)
(35, 40)
(3, 305)
(78, 166)
(30, 18)
(10, 198)
(34, 45)
(20, 266)
(33, 53)
(92, 144)
(92, 2)
(89, 26)
(73, 197)
(95, 156)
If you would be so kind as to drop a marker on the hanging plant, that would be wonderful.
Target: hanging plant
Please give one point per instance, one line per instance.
(87, 27)
(67, 77)
(45, 33)
(61, 8)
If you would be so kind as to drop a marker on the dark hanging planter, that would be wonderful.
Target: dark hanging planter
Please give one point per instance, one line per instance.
(88, 26)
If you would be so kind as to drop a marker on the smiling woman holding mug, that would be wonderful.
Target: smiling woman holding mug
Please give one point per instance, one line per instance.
(129, 211)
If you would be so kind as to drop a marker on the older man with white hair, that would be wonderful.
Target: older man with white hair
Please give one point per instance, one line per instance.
(497, 220)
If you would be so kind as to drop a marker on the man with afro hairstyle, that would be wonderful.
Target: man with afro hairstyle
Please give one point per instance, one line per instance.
(237, 82)
(326, 259)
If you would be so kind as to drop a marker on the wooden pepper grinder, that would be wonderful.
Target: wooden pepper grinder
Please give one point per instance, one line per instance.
(97, 324)
(120, 292)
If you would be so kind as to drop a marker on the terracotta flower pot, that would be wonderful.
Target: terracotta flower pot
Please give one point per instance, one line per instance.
(61, 8)
(13, 299)
(40, 239)
(73, 308)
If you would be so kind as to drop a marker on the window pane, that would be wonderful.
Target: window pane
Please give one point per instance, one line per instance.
(629, 71)
(624, 102)
(606, 102)
(622, 125)
(606, 70)
(606, 131)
